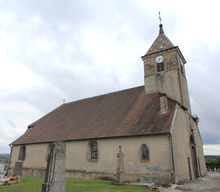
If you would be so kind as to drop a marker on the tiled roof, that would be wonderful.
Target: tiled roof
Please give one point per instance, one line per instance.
(123, 113)
(161, 43)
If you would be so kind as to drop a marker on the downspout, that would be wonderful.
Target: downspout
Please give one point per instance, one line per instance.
(9, 161)
(170, 141)
(170, 144)
(171, 157)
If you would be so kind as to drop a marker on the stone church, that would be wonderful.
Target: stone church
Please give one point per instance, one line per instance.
(153, 124)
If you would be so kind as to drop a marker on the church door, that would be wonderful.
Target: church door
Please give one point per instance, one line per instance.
(194, 161)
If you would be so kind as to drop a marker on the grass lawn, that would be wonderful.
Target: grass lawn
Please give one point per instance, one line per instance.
(32, 184)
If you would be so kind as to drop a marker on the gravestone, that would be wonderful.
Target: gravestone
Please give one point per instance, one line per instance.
(2, 165)
(120, 167)
(18, 168)
(55, 172)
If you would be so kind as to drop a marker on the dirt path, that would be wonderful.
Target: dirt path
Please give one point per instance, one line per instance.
(208, 183)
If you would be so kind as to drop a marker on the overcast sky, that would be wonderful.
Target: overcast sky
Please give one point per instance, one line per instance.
(52, 50)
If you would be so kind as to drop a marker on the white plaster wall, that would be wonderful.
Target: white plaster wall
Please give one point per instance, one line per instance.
(181, 146)
(182, 149)
(14, 155)
(199, 149)
(108, 148)
(36, 155)
(77, 154)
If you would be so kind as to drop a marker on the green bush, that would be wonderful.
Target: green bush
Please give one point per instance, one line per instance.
(6, 159)
(213, 162)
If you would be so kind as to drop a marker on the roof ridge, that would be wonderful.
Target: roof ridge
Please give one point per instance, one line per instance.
(104, 94)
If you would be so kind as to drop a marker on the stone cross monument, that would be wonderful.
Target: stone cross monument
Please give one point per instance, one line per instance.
(55, 172)
(120, 167)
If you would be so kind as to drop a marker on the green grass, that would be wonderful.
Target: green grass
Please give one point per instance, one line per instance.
(27, 184)
(32, 184)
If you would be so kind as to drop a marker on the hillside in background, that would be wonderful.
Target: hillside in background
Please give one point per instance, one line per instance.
(211, 157)
(3, 155)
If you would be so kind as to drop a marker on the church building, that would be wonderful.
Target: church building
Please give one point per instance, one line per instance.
(153, 124)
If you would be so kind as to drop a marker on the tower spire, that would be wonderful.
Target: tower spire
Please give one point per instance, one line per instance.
(161, 42)
(161, 26)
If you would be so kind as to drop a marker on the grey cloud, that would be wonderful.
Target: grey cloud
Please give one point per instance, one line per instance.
(76, 74)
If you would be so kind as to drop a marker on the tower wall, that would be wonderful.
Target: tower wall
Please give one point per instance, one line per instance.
(172, 80)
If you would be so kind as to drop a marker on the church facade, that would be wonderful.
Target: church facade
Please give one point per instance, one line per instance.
(153, 124)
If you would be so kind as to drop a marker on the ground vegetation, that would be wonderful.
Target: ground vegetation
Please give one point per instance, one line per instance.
(31, 184)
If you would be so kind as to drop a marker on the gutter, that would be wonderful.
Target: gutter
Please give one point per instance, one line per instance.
(90, 138)
(9, 161)
(183, 106)
(174, 117)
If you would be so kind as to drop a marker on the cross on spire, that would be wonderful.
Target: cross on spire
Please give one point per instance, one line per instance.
(160, 17)
(161, 25)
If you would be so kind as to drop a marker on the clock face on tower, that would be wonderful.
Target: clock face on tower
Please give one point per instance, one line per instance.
(159, 59)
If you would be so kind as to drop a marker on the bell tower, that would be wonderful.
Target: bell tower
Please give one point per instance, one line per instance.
(164, 70)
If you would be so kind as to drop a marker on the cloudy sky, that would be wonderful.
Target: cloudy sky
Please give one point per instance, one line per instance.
(52, 50)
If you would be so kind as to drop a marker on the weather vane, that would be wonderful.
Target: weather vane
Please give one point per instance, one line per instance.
(160, 17)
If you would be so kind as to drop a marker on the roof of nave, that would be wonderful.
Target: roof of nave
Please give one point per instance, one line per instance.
(124, 113)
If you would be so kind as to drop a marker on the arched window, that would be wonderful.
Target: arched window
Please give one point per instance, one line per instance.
(94, 150)
(22, 153)
(144, 153)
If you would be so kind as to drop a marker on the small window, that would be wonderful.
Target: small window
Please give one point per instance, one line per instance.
(94, 150)
(22, 153)
(182, 69)
(160, 67)
(144, 153)
(181, 65)
(192, 139)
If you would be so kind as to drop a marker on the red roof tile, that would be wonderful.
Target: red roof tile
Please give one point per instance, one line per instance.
(124, 113)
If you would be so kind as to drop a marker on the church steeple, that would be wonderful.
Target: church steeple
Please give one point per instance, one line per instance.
(161, 26)
(164, 70)
(161, 43)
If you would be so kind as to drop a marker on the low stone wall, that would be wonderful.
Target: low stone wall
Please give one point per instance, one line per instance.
(160, 178)
(142, 177)
(29, 172)
(105, 175)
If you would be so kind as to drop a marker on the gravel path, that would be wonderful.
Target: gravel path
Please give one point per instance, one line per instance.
(208, 183)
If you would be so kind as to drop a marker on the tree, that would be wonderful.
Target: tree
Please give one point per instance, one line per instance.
(6, 159)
